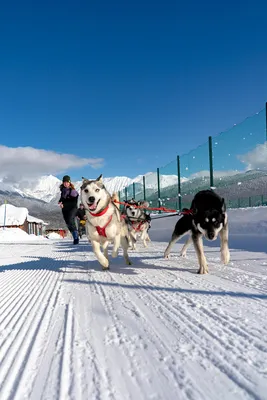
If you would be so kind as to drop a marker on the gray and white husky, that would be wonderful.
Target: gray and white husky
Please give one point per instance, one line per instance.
(138, 221)
(104, 224)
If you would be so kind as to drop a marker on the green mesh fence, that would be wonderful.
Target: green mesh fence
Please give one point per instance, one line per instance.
(152, 189)
(195, 173)
(239, 158)
(240, 161)
(169, 185)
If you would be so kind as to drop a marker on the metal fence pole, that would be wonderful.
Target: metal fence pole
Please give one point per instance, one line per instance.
(144, 187)
(126, 193)
(159, 199)
(133, 190)
(179, 183)
(211, 162)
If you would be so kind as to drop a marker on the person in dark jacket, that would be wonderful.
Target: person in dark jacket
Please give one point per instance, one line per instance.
(68, 203)
(81, 212)
(81, 216)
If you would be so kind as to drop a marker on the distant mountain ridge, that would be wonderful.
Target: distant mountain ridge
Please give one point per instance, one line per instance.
(41, 197)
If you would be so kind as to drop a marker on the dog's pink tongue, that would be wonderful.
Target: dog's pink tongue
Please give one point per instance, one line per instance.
(92, 207)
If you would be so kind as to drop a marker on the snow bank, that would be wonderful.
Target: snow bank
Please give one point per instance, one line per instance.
(53, 235)
(17, 235)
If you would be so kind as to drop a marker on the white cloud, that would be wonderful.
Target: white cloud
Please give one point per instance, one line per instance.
(27, 162)
(256, 158)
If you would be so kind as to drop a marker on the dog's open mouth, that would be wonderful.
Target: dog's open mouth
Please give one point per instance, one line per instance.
(93, 206)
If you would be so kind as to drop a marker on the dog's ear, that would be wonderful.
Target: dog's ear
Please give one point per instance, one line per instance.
(223, 205)
(100, 178)
(84, 182)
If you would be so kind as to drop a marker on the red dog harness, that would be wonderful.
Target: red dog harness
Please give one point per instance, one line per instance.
(101, 230)
(138, 228)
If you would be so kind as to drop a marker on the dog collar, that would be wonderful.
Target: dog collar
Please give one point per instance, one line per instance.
(100, 213)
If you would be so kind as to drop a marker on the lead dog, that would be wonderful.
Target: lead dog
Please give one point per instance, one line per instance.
(207, 217)
(104, 223)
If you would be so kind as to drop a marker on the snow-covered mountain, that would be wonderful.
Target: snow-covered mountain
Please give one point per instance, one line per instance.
(46, 188)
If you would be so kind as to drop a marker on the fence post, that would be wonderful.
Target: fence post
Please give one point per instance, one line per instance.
(179, 183)
(133, 190)
(211, 162)
(126, 193)
(144, 186)
(159, 199)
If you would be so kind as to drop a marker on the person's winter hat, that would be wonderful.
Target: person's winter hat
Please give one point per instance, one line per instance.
(66, 178)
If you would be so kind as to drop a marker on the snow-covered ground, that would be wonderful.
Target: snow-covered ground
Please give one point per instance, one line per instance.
(154, 330)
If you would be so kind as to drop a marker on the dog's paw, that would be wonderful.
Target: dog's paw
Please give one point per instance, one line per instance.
(129, 262)
(114, 254)
(105, 264)
(203, 269)
(183, 255)
(105, 268)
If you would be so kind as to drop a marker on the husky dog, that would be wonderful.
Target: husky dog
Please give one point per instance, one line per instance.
(104, 223)
(207, 217)
(138, 221)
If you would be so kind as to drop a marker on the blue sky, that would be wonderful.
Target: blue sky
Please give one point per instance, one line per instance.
(132, 83)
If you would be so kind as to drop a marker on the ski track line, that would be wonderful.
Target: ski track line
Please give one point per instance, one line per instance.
(181, 381)
(233, 371)
(104, 352)
(110, 312)
(66, 380)
(14, 290)
(171, 326)
(92, 383)
(251, 332)
(40, 382)
(126, 341)
(204, 281)
(31, 382)
(235, 271)
(14, 316)
(19, 289)
(45, 346)
(20, 351)
(230, 324)
(230, 321)
(236, 338)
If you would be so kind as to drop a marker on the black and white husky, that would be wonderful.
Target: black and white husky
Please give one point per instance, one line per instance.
(138, 221)
(207, 217)
(104, 224)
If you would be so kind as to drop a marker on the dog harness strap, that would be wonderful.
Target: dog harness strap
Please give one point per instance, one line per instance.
(101, 230)
(138, 228)
(186, 211)
(100, 213)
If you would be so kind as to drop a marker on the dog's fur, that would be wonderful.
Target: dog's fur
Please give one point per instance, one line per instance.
(208, 219)
(96, 199)
(137, 221)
